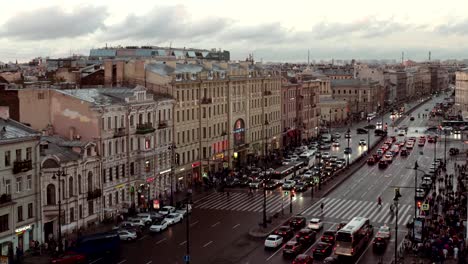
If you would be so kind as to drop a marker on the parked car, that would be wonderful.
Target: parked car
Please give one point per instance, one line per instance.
(273, 241)
(167, 210)
(361, 131)
(126, 235)
(158, 226)
(69, 258)
(173, 218)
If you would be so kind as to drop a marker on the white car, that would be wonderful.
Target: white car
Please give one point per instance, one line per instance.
(273, 241)
(256, 184)
(362, 142)
(401, 133)
(146, 218)
(183, 210)
(337, 135)
(378, 124)
(136, 221)
(158, 226)
(289, 184)
(173, 218)
(336, 144)
(308, 174)
(326, 155)
(286, 161)
(127, 235)
(167, 210)
(384, 232)
(315, 224)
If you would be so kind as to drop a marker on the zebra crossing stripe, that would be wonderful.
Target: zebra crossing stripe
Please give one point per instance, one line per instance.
(375, 212)
(310, 208)
(213, 199)
(385, 211)
(367, 209)
(277, 207)
(208, 200)
(270, 200)
(346, 210)
(327, 206)
(356, 207)
(338, 209)
(258, 200)
(408, 218)
(225, 200)
(241, 204)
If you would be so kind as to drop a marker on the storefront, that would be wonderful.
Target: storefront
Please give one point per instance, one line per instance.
(21, 238)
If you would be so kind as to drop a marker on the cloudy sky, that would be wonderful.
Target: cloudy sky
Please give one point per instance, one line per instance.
(271, 30)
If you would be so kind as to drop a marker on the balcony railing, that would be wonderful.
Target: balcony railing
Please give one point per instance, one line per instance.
(267, 93)
(205, 100)
(22, 166)
(119, 132)
(145, 128)
(162, 124)
(94, 194)
(5, 198)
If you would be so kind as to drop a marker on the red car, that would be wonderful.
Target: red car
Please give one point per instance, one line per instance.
(303, 259)
(371, 161)
(393, 138)
(69, 258)
(430, 139)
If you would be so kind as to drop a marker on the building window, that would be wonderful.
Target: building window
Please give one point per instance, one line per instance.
(109, 122)
(72, 215)
(132, 168)
(90, 207)
(29, 152)
(117, 197)
(147, 166)
(19, 184)
(29, 182)
(80, 211)
(110, 174)
(70, 187)
(18, 155)
(30, 210)
(4, 223)
(103, 176)
(147, 143)
(7, 158)
(123, 170)
(90, 181)
(20, 213)
(131, 121)
(123, 195)
(110, 199)
(79, 184)
(51, 194)
(109, 151)
(117, 172)
(7, 186)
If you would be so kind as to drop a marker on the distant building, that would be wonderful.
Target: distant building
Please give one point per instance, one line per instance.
(461, 93)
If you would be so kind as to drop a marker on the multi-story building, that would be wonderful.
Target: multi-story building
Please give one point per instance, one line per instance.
(76, 165)
(360, 94)
(422, 81)
(131, 128)
(461, 92)
(224, 112)
(20, 217)
(299, 110)
(439, 78)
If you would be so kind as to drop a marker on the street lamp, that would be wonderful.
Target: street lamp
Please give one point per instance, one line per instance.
(187, 228)
(395, 202)
(58, 175)
(348, 135)
(265, 170)
(368, 136)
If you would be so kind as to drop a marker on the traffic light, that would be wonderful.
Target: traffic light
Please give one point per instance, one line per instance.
(419, 204)
(286, 192)
(397, 193)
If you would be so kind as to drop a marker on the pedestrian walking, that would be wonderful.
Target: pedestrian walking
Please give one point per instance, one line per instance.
(321, 208)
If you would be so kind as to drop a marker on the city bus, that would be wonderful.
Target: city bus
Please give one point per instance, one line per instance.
(353, 237)
(283, 171)
(307, 157)
(454, 124)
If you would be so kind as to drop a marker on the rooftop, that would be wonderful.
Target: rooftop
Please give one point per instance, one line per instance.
(61, 148)
(351, 82)
(11, 129)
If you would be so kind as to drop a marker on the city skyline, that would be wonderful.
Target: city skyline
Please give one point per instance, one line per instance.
(364, 30)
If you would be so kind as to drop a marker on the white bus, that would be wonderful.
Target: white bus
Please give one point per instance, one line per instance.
(353, 237)
(307, 157)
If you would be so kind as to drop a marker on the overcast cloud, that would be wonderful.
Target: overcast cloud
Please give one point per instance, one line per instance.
(355, 30)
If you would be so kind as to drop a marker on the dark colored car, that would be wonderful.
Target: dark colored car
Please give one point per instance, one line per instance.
(244, 181)
(328, 237)
(322, 250)
(411, 118)
(370, 126)
(361, 131)
(270, 185)
(318, 154)
(235, 182)
(292, 249)
(380, 132)
(306, 236)
(330, 260)
(383, 164)
(301, 187)
(69, 258)
(298, 222)
(371, 161)
(379, 244)
(285, 231)
(404, 152)
(303, 259)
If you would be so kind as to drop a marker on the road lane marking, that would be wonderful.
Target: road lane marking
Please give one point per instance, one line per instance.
(95, 261)
(183, 243)
(364, 252)
(194, 223)
(215, 224)
(149, 262)
(160, 241)
(122, 261)
(236, 226)
(143, 237)
(207, 244)
(364, 194)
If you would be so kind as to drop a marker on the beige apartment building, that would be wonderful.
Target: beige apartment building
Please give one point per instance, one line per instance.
(461, 92)
(224, 113)
(132, 130)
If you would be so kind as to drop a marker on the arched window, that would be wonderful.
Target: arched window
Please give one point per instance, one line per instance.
(51, 194)
(90, 181)
(79, 184)
(70, 187)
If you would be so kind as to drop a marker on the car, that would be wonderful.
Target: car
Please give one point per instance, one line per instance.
(301, 187)
(384, 232)
(183, 209)
(158, 226)
(431, 139)
(324, 146)
(270, 185)
(303, 259)
(315, 224)
(383, 164)
(348, 150)
(167, 210)
(322, 250)
(330, 260)
(273, 241)
(388, 157)
(420, 194)
(361, 131)
(173, 218)
(380, 132)
(336, 144)
(152, 215)
(379, 244)
(292, 249)
(379, 123)
(306, 236)
(337, 135)
(256, 184)
(126, 235)
(285, 231)
(457, 131)
(371, 161)
(454, 151)
(308, 174)
(297, 222)
(370, 126)
(146, 218)
(245, 181)
(326, 155)
(404, 152)
(421, 143)
(286, 161)
(328, 237)
(289, 184)
(69, 258)
(132, 223)
(411, 118)
(318, 154)
(362, 142)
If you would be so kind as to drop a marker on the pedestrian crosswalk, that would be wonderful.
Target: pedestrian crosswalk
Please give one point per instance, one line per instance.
(244, 202)
(345, 210)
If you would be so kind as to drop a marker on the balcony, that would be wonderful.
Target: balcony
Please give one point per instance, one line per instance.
(94, 194)
(206, 100)
(5, 199)
(145, 128)
(22, 166)
(162, 124)
(267, 93)
(119, 132)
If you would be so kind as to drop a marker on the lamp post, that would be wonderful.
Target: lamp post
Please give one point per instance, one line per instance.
(187, 228)
(329, 122)
(368, 136)
(395, 202)
(415, 192)
(265, 169)
(174, 161)
(290, 201)
(348, 135)
(57, 175)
